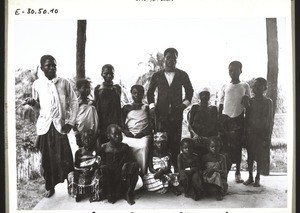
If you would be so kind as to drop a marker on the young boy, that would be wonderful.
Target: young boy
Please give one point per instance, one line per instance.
(259, 120)
(120, 172)
(189, 170)
(231, 112)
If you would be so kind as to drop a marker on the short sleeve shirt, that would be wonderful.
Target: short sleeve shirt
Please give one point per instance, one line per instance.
(231, 98)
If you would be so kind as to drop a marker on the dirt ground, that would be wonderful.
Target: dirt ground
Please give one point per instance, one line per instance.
(273, 193)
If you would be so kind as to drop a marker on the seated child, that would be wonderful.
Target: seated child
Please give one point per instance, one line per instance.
(87, 117)
(120, 171)
(214, 171)
(85, 179)
(203, 122)
(137, 127)
(189, 173)
(160, 177)
(259, 119)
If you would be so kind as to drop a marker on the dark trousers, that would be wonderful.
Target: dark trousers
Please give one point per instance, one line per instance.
(173, 127)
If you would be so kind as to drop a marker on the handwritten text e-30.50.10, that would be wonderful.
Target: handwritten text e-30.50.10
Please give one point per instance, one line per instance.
(37, 11)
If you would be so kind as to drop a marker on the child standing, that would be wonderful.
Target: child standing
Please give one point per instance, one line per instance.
(120, 172)
(231, 110)
(259, 121)
(87, 117)
(137, 126)
(107, 102)
(160, 177)
(215, 172)
(85, 179)
(189, 173)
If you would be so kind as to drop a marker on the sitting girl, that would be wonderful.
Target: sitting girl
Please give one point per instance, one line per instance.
(87, 117)
(189, 173)
(214, 173)
(137, 127)
(160, 177)
(120, 171)
(85, 179)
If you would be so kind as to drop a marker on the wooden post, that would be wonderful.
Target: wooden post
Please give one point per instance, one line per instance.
(80, 49)
(272, 75)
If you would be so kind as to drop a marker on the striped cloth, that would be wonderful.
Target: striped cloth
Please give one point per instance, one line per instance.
(159, 185)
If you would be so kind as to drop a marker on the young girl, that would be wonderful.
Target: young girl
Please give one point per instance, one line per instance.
(107, 102)
(160, 177)
(214, 173)
(137, 126)
(85, 179)
(120, 172)
(189, 173)
(203, 122)
(259, 119)
(87, 117)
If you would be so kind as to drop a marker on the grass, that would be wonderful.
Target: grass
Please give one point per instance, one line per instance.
(30, 193)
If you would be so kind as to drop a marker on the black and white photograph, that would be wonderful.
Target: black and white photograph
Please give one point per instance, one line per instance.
(150, 105)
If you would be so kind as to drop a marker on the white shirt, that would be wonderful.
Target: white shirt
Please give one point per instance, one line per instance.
(58, 105)
(231, 98)
(169, 77)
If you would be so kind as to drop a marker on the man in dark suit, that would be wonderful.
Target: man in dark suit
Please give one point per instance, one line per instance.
(167, 111)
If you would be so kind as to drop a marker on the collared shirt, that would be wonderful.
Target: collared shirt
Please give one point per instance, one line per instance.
(59, 106)
(169, 77)
(231, 98)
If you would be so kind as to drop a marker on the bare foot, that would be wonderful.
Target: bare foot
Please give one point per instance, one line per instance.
(49, 193)
(219, 197)
(256, 183)
(238, 178)
(248, 182)
(129, 199)
(112, 199)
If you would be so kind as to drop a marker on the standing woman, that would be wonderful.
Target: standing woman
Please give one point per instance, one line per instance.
(108, 103)
(57, 104)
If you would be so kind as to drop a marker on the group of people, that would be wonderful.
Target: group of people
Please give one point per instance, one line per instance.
(119, 144)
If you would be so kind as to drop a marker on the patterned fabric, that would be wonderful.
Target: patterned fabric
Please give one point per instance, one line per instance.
(160, 136)
(233, 137)
(83, 180)
(160, 185)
